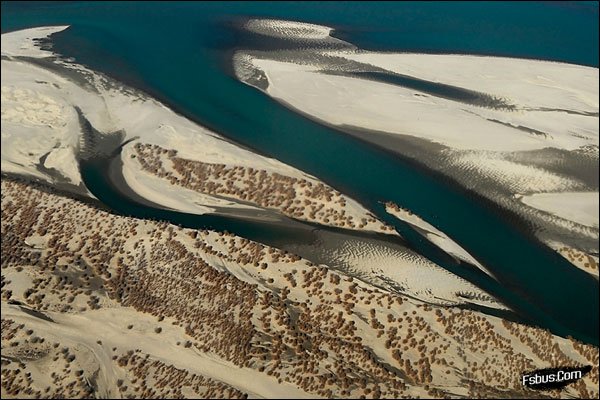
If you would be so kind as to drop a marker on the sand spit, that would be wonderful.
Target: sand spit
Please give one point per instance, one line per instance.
(158, 310)
(434, 235)
(23, 43)
(42, 108)
(395, 268)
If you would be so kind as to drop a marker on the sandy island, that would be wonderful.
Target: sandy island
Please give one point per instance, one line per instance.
(522, 133)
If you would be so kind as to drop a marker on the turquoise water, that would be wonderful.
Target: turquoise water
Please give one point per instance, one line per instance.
(178, 53)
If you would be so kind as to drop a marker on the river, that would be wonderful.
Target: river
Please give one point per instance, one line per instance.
(178, 53)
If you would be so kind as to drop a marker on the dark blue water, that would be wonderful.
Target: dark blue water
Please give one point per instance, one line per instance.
(177, 52)
(561, 31)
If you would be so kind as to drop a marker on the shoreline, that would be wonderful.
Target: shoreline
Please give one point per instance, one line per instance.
(449, 182)
(183, 112)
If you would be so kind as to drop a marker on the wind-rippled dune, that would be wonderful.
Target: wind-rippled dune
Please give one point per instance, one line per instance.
(395, 268)
(505, 128)
(299, 32)
(163, 311)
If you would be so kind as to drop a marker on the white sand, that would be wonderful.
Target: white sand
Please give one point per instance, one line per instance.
(435, 236)
(514, 177)
(341, 100)
(37, 121)
(37, 111)
(531, 83)
(580, 207)
(300, 31)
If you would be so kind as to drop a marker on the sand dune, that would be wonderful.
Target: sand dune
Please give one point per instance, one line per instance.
(159, 310)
